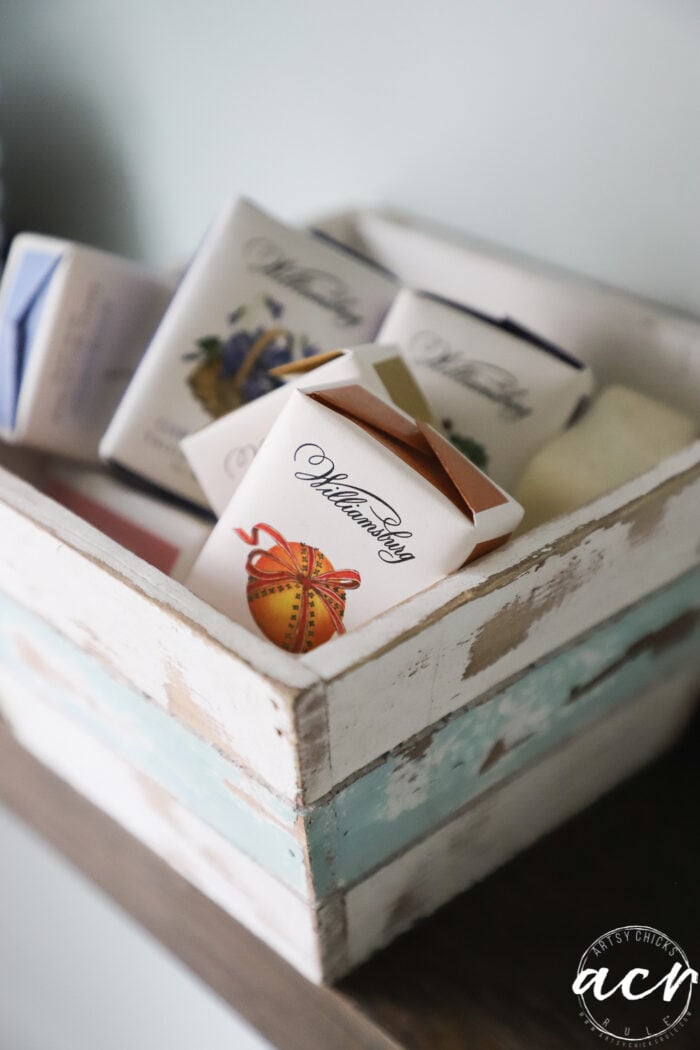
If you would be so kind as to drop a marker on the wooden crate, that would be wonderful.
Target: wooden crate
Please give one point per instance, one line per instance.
(327, 801)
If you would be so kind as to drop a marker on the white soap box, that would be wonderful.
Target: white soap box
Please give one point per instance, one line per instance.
(257, 293)
(74, 323)
(364, 507)
(221, 453)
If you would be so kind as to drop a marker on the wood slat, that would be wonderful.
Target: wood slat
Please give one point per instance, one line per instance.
(258, 983)
(490, 971)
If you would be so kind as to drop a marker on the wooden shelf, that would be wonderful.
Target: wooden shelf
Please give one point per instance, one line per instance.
(490, 971)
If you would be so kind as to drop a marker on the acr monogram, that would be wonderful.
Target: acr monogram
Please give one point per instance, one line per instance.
(634, 985)
(369, 511)
(328, 291)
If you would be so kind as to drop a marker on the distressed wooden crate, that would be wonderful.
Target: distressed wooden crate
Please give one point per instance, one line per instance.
(328, 801)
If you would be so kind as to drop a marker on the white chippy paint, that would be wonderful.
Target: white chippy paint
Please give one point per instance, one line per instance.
(427, 781)
(241, 887)
(421, 679)
(483, 837)
(93, 545)
(339, 656)
(146, 628)
(514, 815)
(408, 783)
(153, 633)
(375, 816)
(37, 658)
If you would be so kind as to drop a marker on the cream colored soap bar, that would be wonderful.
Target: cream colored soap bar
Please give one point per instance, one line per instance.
(623, 434)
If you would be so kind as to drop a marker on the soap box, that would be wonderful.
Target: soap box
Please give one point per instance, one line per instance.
(165, 536)
(257, 294)
(221, 453)
(348, 495)
(499, 392)
(74, 323)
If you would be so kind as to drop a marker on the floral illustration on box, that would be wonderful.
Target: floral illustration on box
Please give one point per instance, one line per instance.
(295, 596)
(469, 447)
(235, 368)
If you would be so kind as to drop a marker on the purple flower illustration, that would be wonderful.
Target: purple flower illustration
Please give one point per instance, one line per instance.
(235, 369)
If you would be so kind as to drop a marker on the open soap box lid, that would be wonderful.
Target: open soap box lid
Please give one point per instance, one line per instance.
(432, 456)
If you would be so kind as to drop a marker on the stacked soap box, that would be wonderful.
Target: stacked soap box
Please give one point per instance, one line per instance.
(329, 800)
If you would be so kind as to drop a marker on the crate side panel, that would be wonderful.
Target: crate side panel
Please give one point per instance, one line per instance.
(37, 658)
(175, 599)
(142, 641)
(511, 817)
(382, 812)
(241, 887)
(344, 654)
(513, 619)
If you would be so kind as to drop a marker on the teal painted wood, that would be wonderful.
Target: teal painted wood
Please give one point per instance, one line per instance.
(40, 659)
(409, 794)
(398, 801)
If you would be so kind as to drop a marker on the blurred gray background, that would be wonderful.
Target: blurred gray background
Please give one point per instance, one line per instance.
(566, 130)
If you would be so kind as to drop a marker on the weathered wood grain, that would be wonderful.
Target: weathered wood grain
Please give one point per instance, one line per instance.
(494, 621)
(410, 792)
(132, 619)
(521, 810)
(322, 938)
(251, 718)
(242, 887)
(491, 969)
(232, 689)
(35, 658)
(286, 1008)
(381, 811)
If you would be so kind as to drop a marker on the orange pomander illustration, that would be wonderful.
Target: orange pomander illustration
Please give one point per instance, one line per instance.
(295, 596)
